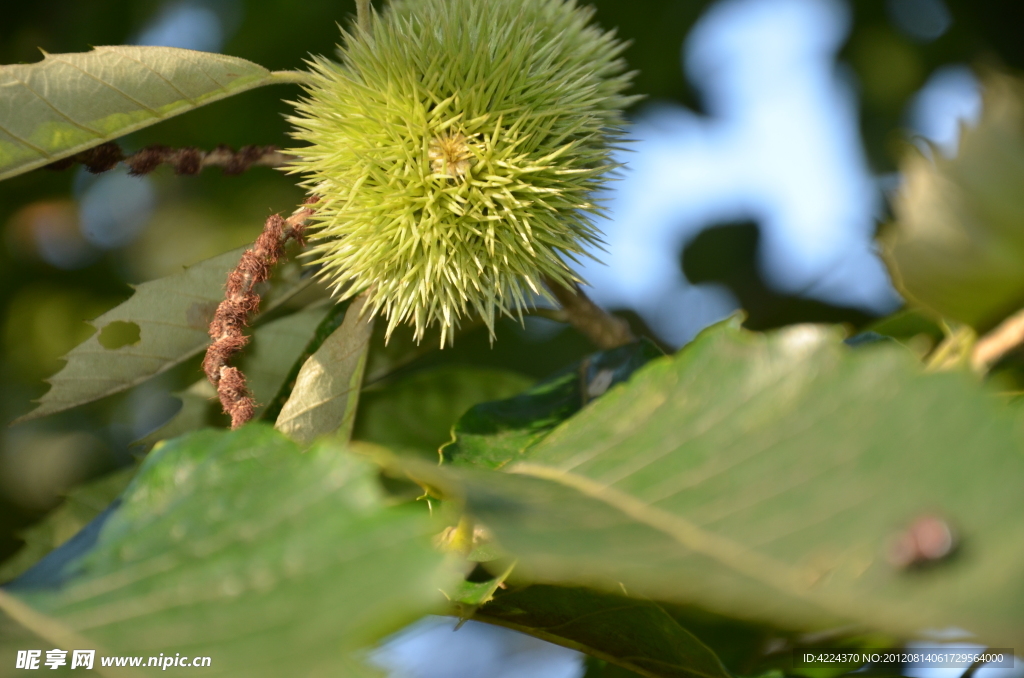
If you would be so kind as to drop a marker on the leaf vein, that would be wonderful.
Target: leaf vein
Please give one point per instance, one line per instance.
(107, 84)
(96, 133)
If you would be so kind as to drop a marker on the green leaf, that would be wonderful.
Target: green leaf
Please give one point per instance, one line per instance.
(81, 505)
(907, 325)
(22, 628)
(68, 103)
(598, 668)
(913, 328)
(330, 321)
(385, 355)
(274, 349)
(755, 649)
(638, 635)
(767, 478)
(417, 412)
(743, 648)
(173, 316)
(238, 546)
(327, 389)
(469, 595)
(958, 244)
(493, 434)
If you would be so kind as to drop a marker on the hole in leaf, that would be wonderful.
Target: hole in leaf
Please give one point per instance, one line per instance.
(119, 334)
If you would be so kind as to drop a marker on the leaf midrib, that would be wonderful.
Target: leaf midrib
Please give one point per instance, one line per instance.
(739, 559)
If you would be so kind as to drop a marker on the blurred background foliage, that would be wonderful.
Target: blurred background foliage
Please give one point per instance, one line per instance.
(72, 244)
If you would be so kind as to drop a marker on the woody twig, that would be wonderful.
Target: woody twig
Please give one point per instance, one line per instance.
(187, 160)
(602, 328)
(1006, 338)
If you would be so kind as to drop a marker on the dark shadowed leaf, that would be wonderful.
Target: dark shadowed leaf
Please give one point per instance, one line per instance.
(388, 354)
(638, 635)
(274, 348)
(173, 315)
(599, 668)
(493, 434)
(81, 505)
(417, 412)
(199, 408)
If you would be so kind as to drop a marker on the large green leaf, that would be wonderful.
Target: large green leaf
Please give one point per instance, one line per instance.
(767, 477)
(636, 634)
(237, 546)
(327, 389)
(418, 411)
(957, 246)
(67, 103)
(492, 434)
(172, 317)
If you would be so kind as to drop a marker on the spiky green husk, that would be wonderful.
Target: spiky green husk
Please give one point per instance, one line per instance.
(455, 151)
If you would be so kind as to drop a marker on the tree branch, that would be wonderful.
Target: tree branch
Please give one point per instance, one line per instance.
(995, 345)
(557, 314)
(602, 328)
(227, 329)
(188, 160)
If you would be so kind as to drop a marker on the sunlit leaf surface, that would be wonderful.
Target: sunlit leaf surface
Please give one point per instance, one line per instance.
(68, 103)
(770, 477)
(326, 391)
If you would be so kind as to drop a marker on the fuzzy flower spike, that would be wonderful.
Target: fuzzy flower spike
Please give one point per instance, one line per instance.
(454, 150)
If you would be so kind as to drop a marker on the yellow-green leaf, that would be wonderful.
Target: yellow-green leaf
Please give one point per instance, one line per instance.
(957, 246)
(327, 389)
(68, 103)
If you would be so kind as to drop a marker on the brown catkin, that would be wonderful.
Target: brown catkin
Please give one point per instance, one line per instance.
(227, 329)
